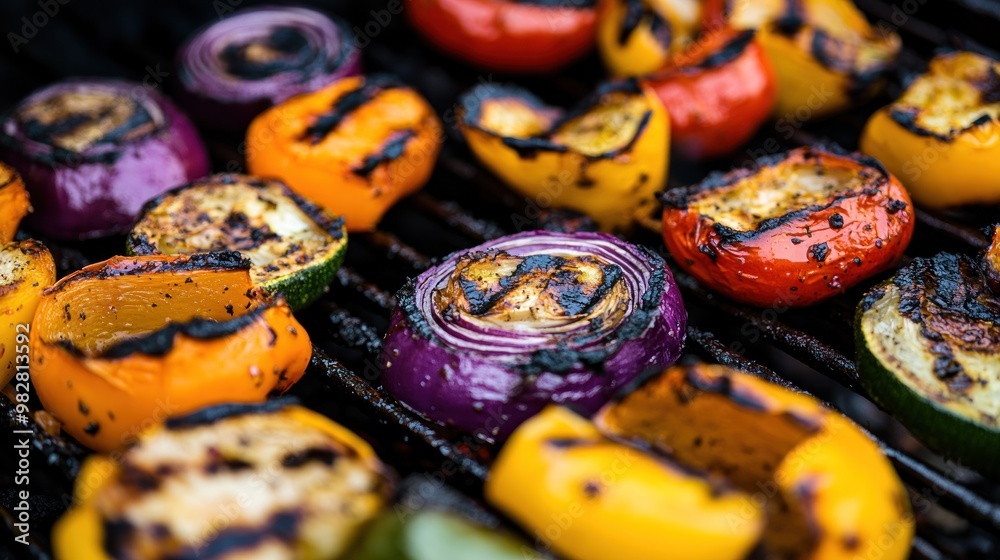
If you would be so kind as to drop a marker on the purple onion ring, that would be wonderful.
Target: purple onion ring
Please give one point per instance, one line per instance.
(91, 152)
(486, 379)
(232, 70)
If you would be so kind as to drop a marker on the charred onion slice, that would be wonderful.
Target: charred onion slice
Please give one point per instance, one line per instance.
(942, 136)
(355, 147)
(798, 228)
(928, 345)
(233, 69)
(717, 86)
(26, 268)
(620, 502)
(295, 246)
(250, 481)
(829, 491)
(123, 343)
(14, 203)
(92, 152)
(529, 36)
(605, 158)
(488, 337)
(827, 55)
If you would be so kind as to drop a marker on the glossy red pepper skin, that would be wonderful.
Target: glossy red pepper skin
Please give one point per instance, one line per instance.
(807, 254)
(507, 35)
(717, 93)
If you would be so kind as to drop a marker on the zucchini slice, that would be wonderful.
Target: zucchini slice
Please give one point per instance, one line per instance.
(295, 247)
(928, 344)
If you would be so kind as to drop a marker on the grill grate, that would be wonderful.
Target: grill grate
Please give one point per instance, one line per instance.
(957, 511)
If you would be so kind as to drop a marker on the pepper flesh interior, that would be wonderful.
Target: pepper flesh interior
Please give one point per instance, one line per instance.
(128, 306)
(78, 120)
(959, 91)
(302, 492)
(536, 291)
(775, 191)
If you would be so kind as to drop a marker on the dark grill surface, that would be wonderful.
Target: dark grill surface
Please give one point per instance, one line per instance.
(958, 511)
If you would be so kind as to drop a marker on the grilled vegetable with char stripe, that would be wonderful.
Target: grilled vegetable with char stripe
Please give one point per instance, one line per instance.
(354, 147)
(258, 481)
(531, 36)
(231, 70)
(942, 136)
(92, 152)
(794, 230)
(611, 500)
(125, 342)
(295, 247)
(605, 158)
(928, 343)
(14, 202)
(26, 268)
(827, 490)
(828, 57)
(491, 335)
(717, 84)
(991, 260)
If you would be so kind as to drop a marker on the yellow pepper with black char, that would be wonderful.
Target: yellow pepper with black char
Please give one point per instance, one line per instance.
(591, 498)
(26, 269)
(828, 57)
(942, 136)
(606, 158)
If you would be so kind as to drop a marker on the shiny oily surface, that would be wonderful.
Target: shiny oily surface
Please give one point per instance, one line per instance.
(292, 484)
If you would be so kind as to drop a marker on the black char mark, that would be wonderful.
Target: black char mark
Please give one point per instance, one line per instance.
(389, 151)
(281, 526)
(346, 104)
(213, 414)
(635, 12)
(728, 52)
(292, 49)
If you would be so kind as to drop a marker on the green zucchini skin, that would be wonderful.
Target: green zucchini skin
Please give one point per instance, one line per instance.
(170, 223)
(971, 442)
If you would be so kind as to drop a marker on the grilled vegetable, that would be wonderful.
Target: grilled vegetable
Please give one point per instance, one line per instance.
(126, 342)
(92, 152)
(991, 261)
(799, 228)
(295, 246)
(232, 70)
(14, 203)
(606, 157)
(928, 344)
(942, 136)
(717, 87)
(491, 335)
(826, 54)
(507, 35)
(593, 498)
(250, 481)
(827, 490)
(355, 147)
(437, 535)
(26, 268)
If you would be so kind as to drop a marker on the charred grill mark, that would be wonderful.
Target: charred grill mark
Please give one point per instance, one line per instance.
(390, 150)
(282, 526)
(989, 86)
(948, 297)
(792, 19)
(575, 301)
(213, 414)
(136, 479)
(569, 443)
(346, 104)
(837, 220)
(635, 12)
(216, 260)
(819, 251)
(285, 49)
(161, 342)
(66, 123)
(297, 459)
(906, 117)
(728, 52)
